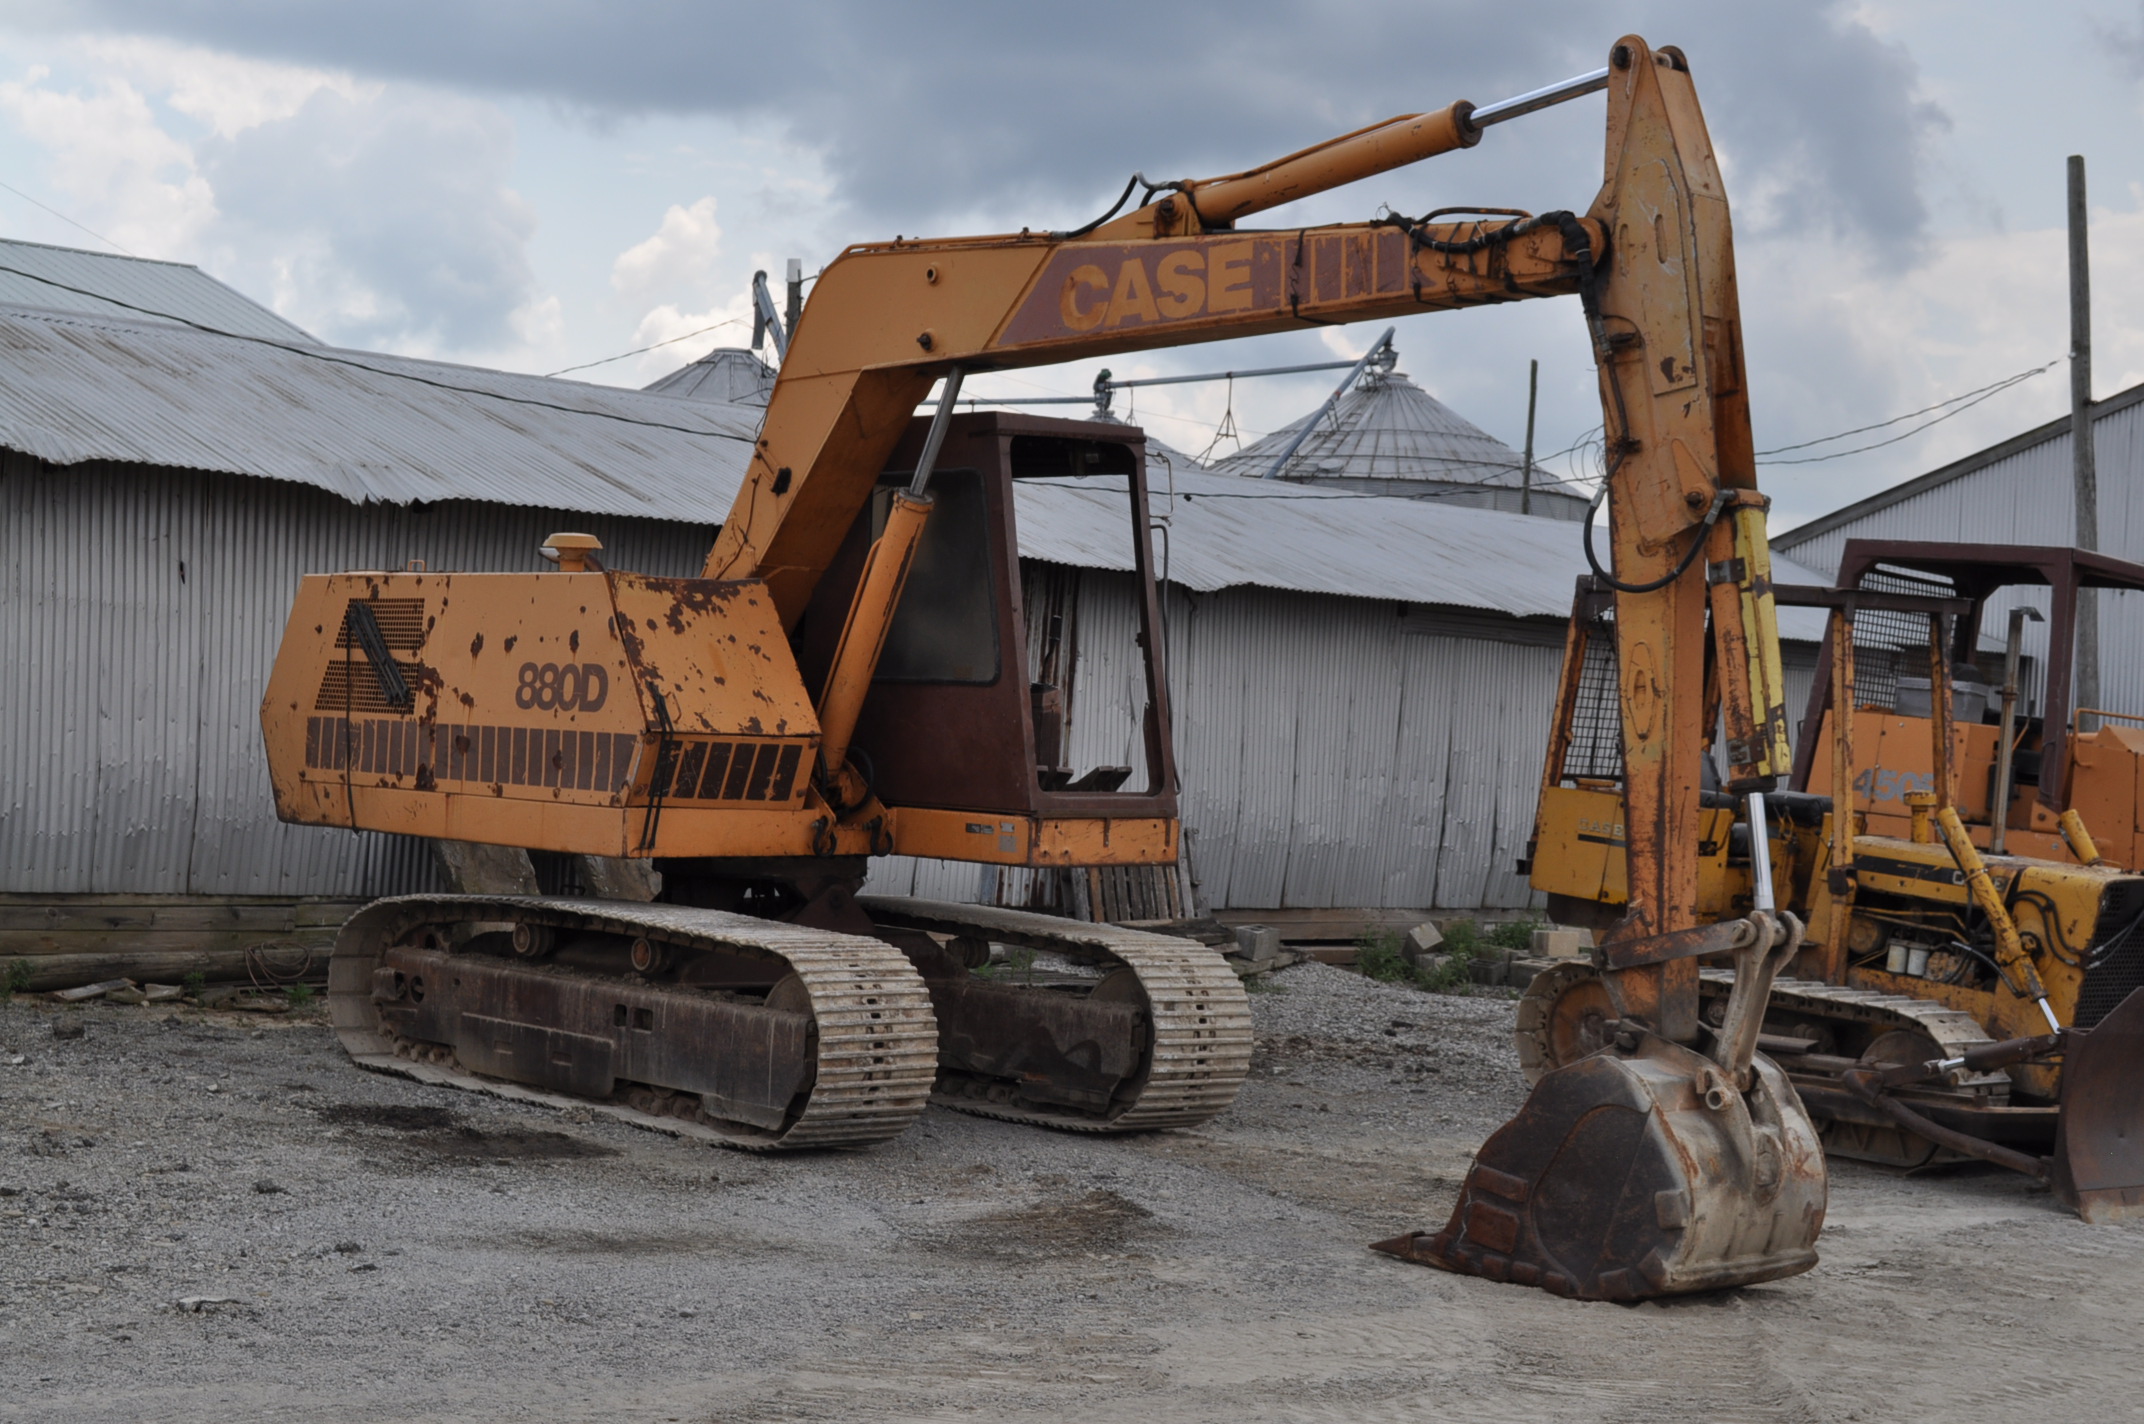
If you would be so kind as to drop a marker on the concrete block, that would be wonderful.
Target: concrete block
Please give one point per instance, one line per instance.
(1491, 967)
(1562, 944)
(1257, 942)
(1421, 942)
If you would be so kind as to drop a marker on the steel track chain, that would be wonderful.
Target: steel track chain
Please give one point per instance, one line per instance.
(1200, 1014)
(1952, 1030)
(877, 1046)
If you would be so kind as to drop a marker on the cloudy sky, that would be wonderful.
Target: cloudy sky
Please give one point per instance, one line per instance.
(543, 184)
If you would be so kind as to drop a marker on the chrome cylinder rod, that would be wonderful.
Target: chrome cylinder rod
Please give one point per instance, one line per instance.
(1538, 99)
(1760, 853)
(947, 400)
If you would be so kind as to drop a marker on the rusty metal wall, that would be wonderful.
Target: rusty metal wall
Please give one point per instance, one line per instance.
(1334, 751)
(140, 611)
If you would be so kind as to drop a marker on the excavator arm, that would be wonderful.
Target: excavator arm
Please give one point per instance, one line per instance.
(1652, 259)
(886, 321)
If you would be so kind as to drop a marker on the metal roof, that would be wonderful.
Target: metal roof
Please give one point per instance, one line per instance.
(389, 429)
(366, 426)
(730, 375)
(1226, 532)
(1385, 428)
(69, 279)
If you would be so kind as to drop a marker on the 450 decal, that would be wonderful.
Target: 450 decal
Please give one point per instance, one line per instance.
(569, 687)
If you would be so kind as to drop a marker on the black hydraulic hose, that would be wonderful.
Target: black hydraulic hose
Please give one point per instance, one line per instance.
(1134, 181)
(1720, 502)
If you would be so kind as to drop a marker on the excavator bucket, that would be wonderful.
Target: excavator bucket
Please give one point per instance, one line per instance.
(1638, 1173)
(1648, 1168)
(2098, 1168)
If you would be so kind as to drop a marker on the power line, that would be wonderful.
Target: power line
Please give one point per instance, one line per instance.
(65, 219)
(320, 354)
(586, 365)
(1962, 403)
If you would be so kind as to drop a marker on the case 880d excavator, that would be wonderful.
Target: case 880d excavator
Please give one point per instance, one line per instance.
(761, 730)
(1944, 1004)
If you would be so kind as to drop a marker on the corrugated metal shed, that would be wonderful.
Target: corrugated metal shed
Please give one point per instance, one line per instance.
(68, 279)
(141, 610)
(368, 427)
(2020, 491)
(1388, 434)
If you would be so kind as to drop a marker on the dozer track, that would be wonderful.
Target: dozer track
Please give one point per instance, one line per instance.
(751, 1033)
(1161, 1039)
(1978, 1103)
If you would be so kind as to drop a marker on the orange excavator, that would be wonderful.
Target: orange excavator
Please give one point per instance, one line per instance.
(851, 676)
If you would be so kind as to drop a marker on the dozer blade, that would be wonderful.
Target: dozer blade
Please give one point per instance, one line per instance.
(1632, 1174)
(2098, 1168)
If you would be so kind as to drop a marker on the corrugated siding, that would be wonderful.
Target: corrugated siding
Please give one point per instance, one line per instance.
(2028, 498)
(142, 611)
(1329, 756)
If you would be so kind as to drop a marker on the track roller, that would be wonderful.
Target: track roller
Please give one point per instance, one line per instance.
(1157, 1035)
(752, 1033)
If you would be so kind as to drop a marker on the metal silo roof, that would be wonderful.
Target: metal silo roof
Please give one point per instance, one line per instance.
(729, 375)
(1385, 428)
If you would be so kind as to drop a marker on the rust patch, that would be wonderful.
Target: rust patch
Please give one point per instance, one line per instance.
(573, 640)
(511, 639)
(476, 645)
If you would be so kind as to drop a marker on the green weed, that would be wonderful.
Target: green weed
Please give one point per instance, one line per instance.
(1018, 960)
(195, 984)
(300, 995)
(1515, 934)
(1380, 955)
(16, 981)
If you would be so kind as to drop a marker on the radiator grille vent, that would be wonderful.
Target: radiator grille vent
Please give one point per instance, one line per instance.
(351, 685)
(401, 622)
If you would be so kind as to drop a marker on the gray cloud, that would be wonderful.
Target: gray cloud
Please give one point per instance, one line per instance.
(941, 106)
(391, 218)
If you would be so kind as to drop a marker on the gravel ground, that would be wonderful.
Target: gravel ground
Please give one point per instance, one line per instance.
(359, 1247)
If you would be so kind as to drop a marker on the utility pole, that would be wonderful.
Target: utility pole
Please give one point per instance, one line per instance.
(2083, 463)
(1526, 473)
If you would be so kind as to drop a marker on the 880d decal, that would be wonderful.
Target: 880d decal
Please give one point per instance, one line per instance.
(568, 687)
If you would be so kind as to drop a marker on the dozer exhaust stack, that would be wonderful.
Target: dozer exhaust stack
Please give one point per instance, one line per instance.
(1649, 1169)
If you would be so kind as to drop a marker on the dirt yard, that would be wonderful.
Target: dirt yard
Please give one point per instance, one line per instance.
(353, 1247)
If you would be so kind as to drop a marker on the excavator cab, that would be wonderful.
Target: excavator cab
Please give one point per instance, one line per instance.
(971, 712)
